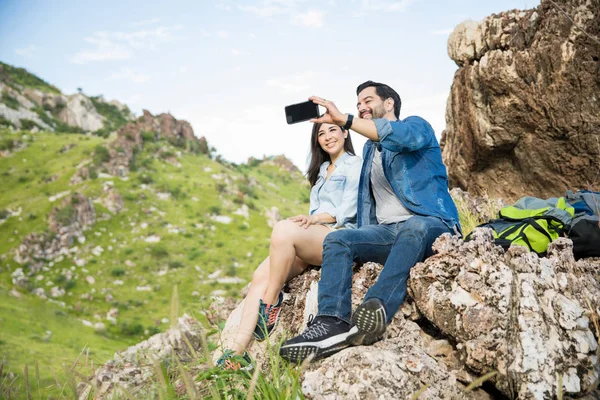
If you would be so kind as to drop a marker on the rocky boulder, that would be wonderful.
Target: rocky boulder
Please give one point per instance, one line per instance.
(66, 224)
(79, 111)
(531, 319)
(398, 367)
(133, 371)
(523, 116)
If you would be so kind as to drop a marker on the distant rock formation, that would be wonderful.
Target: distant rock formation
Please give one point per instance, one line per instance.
(66, 224)
(149, 128)
(523, 117)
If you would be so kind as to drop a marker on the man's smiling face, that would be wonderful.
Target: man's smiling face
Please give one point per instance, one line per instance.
(369, 104)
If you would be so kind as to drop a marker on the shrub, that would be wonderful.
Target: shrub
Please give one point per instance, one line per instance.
(5, 122)
(131, 329)
(117, 272)
(7, 144)
(4, 214)
(101, 155)
(66, 215)
(10, 101)
(176, 264)
(93, 173)
(159, 252)
(145, 179)
(148, 136)
(214, 210)
(27, 125)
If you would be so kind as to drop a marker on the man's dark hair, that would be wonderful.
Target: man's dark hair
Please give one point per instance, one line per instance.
(383, 91)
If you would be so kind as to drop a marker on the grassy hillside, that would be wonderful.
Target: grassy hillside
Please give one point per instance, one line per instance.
(167, 234)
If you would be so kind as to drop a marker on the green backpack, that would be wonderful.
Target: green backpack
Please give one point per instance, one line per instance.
(531, 222)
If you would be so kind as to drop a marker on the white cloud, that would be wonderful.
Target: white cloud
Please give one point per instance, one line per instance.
(146, 22)
(311, 19)
(293, 84)
(28, 52)
(119, 45)
(130, 75)
(223, 34)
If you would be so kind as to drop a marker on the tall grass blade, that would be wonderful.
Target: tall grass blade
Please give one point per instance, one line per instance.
(420, 392)
(479, 381)
(55, 378)
(174, 307)
(253, 381)
(188, 381)
(26, 382)
(559, 393)
(37, 377)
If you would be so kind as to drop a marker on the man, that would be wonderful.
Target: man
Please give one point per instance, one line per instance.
(403, 206)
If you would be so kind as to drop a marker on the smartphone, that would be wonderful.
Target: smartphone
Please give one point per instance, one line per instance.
(301, 112)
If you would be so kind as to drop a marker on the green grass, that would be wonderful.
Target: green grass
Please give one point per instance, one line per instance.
(21, 77)
(191, 246)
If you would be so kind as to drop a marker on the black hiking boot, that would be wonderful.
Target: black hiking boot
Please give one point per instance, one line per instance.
(369, 323)
(322, 337)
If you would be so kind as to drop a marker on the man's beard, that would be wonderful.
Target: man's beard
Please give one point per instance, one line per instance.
(378, 112)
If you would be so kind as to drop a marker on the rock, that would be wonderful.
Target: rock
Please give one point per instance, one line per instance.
(396, 367)
(90, 280)
(522, 117)
(112, 200)
(516, 313)
(134, 369)
(80, 112)
(222, 219)
(273, 216)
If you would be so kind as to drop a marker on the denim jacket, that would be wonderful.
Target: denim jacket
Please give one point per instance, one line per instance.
(337, 195)
(412, 163)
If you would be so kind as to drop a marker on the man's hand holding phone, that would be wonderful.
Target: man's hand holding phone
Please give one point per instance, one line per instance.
(332, 115)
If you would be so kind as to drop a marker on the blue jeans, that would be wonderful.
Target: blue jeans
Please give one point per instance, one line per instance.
(397, 246)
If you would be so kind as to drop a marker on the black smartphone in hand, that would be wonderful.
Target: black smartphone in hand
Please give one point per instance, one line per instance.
(301, 112)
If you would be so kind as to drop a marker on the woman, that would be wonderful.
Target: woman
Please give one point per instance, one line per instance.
(297, 242)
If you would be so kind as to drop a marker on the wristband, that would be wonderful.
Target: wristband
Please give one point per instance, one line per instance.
(348, 123)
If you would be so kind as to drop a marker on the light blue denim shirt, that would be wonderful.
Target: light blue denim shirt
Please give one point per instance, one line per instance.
(337, 195)
(412, 163)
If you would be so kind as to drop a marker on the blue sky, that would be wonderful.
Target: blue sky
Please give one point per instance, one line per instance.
(230, 67)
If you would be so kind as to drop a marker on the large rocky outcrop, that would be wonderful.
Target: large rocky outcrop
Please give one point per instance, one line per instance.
(523, 116)
(528, 318)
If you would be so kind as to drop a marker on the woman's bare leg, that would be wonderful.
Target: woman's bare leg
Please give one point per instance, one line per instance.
(256, 291)
(290, 242)
(259, 283)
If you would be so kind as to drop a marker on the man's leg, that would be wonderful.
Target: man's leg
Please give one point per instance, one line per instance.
(340, 250)
(327, 333)
(382, 301)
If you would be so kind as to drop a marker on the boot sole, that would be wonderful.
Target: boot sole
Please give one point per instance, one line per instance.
(369, 322)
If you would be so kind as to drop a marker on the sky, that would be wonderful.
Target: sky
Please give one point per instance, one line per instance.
(230, 67)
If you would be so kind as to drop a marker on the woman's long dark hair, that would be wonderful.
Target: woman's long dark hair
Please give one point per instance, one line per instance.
(318, 156)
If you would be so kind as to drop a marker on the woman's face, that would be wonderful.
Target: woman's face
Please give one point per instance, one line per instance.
(331, 139)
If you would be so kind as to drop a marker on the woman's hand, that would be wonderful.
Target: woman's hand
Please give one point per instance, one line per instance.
(303, 220)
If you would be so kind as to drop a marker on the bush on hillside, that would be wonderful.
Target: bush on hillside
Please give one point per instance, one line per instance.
(66, 215)
(7, 144)
(148, 136)
(10, 101)
(101, 155)
(27, 125)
